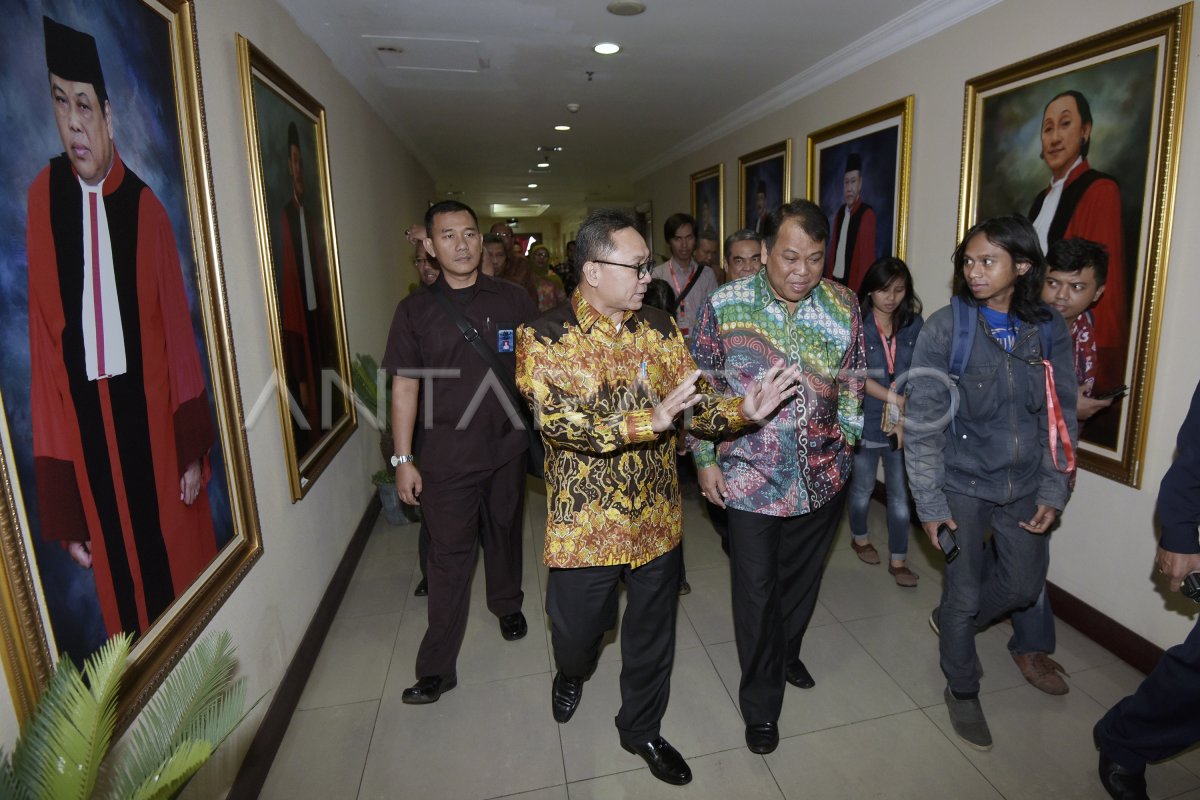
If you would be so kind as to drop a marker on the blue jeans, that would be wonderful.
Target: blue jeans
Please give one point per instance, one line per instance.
(971, 601)
(1033, 627)
(862, 483)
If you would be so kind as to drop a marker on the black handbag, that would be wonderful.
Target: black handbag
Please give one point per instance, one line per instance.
(537, 450)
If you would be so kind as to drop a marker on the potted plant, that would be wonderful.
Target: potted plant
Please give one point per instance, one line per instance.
(373, 392)
(65, 749)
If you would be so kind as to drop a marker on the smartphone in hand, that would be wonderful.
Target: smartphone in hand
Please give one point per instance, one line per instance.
(947, 542)
(1112, 394)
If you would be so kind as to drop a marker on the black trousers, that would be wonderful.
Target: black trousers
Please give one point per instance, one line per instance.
(582, 604)
(1162, 717)
(462, 511)
(776, 564)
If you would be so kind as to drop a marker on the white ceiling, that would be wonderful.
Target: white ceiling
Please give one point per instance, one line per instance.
(688, 72)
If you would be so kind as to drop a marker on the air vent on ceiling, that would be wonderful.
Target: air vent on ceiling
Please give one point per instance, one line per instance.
(416, 53)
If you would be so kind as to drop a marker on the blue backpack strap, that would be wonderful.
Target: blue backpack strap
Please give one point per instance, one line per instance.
(961, 341)
(963, 336)
(1046, 332)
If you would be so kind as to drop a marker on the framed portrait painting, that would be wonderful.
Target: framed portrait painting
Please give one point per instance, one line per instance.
(293, 205)
(126, 502)
(858, 172)
(708, 201)
(1084, 141)
(764, 182)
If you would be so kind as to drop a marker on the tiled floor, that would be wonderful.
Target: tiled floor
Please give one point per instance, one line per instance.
(874, 726)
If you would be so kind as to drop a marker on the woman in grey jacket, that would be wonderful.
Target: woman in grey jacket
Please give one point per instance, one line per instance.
(988, 449)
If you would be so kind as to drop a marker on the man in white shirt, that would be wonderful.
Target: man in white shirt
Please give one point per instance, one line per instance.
(691, 282)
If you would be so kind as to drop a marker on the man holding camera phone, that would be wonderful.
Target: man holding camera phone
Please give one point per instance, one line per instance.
(1159, 720)
(999, 459)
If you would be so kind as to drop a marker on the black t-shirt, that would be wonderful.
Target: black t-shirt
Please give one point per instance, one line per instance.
(465, 425)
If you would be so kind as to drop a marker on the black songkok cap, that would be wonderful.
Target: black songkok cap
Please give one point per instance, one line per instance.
(854, 163)
(72, 55)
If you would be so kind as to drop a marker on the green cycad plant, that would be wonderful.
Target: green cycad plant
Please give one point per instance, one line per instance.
(64, 750)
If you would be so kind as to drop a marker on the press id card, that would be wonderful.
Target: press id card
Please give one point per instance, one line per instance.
(505, 341)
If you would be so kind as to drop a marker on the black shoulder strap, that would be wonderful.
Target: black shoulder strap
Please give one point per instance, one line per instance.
(472, 336)
(695, 277)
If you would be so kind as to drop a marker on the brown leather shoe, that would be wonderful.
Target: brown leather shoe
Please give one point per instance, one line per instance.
(1042, 671)
(904, 576)
(866, 552)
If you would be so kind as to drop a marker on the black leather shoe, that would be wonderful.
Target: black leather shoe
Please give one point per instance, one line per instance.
(762, 738)
(428, 689)
(564, 697)
(422, 589)
(797, 675)
(1120, 783)
(513, 626)
(664, 761)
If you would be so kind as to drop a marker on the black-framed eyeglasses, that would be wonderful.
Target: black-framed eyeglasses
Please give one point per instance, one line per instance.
(643, 269)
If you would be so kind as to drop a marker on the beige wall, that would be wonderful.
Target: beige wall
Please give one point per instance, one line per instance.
(1103, 554)
(374, 198)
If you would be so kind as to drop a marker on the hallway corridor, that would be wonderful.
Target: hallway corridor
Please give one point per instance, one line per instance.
(874, 725)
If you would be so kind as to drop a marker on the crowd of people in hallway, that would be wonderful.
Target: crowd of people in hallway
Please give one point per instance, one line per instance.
(785, 383)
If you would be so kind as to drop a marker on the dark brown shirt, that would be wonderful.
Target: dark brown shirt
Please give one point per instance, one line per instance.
(466, 425)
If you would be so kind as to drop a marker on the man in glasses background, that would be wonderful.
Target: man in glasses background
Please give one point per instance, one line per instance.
(608, 378)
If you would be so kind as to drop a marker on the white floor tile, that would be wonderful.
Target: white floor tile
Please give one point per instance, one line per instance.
(322, 753)
(853, 590)
(477, 741)
(353, 662)
(896, 757)
(708, 607)
(850, 685)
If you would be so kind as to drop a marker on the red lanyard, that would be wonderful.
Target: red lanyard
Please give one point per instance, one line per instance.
(889, 348)
(674, 280)
(1056, 425)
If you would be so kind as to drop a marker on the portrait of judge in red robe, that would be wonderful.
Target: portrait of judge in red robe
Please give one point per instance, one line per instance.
(122, 430)
(309, 337)
(851, 249)
(1086, 203)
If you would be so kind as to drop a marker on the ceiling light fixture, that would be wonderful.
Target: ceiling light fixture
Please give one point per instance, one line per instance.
(626, 8)
(562, 127)
(533, 186)
(543, 164)
(607, 48)
(524, 199)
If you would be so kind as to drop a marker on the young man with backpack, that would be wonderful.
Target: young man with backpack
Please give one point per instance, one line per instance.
(989, 436)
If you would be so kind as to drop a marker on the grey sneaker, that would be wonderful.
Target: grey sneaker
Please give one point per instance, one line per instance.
(967, 718)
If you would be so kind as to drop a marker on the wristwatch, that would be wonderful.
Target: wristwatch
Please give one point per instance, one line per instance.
(398, 460)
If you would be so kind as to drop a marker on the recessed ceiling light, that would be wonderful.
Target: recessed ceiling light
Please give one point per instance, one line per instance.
(607, 48)
(562, 127)
(543, 164)
(524, 199)
(533, 186)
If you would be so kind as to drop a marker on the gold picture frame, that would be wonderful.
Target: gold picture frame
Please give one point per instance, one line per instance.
(877, 146)
(708, 194)
(288, 148)
(1133, 80)
(52, 605)
(764, 182)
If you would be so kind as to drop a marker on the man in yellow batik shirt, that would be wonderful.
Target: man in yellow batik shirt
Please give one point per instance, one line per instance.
(607, 379)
